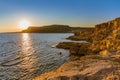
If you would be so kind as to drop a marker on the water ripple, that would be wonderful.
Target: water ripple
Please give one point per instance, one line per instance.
(25, 56)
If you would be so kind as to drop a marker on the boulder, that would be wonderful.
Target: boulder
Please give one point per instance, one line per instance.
(105, 53)
(80, 49)
(74, 50)
(66, 45)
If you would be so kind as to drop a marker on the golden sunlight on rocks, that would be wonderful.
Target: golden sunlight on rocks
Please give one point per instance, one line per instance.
(98, 59)
(87, 68)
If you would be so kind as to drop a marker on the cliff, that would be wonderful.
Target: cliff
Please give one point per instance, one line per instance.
(53, 29)
(82, 35)
(97, 59)
(106, 29)
(105, 36)
(99, 32)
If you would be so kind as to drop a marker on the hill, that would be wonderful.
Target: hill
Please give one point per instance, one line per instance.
(53, 29)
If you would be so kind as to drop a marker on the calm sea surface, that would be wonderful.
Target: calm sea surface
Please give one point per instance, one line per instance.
(25, 56)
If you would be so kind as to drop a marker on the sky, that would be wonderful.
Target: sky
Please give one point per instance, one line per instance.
(76, 13)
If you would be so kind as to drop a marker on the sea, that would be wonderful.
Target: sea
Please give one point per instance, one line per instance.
(24, 56)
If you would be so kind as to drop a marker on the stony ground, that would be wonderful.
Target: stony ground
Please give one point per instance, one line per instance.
(92, 67)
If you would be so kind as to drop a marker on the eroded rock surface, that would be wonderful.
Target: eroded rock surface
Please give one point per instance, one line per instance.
(100, 57)
(105, 36)
(87, 68)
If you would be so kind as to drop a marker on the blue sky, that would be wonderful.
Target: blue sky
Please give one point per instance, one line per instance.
(45, 12)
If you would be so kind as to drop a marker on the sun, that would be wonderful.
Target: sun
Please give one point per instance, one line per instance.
(24, 24)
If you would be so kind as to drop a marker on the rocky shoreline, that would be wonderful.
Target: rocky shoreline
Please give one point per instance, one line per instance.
(99, 59)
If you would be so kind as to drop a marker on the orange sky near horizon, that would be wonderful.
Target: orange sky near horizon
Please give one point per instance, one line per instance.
(13, 25)
(75, 13)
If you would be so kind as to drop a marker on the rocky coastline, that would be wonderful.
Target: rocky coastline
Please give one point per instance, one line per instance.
(98, 59)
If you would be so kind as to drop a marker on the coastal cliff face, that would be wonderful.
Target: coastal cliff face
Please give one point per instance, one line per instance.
(98, 59)
(83, 34)
(106, 36)
(99, 32)
(106, 29)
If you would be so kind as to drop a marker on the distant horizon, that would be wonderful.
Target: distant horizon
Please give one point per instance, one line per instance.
(56, 24)
(45, 26)
(76, 13)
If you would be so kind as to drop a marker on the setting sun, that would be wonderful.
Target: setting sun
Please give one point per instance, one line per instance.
(24, 24)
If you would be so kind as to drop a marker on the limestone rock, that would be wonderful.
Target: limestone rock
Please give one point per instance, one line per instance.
(105, 53)
(66, 45)
(104, 41)
(88, 69)
(79, 49)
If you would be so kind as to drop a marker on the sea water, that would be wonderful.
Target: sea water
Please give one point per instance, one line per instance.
(24, 56)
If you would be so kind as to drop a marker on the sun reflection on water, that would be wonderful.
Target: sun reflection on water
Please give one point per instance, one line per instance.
(28, 56)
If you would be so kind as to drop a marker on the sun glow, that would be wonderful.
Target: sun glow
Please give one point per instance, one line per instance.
(24, 24)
